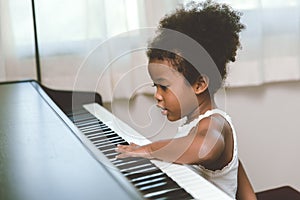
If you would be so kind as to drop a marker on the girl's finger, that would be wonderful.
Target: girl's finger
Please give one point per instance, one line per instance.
(133, 144)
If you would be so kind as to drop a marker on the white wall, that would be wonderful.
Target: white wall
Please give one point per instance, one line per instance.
(267, 123)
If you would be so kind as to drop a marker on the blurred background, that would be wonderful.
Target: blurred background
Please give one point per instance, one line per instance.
(78, 41)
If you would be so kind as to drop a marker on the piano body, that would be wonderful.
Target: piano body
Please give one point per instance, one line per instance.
(50, 149)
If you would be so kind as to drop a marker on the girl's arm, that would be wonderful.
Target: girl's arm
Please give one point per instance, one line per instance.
(244, 190)
(199, 146)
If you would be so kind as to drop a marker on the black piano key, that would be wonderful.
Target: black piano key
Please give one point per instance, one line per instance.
(152, 169)
(154, 181)
(150, 181)
(147, 177)
(128, 159)
(98, 127)
(99, 146)
(88, 125)
(97, 132)
(159, 188)
(95, 129)
(103, 148)
(109, 140)
(136, 175)
(152, 187)
(109, 151)
(109, 155)
(132, 163)
(142, 178)
(144, 166)
(139, 171)
(102, 135)
(112, 146)
(83, 120)
(153, 195)
(106, 145)
(91, 131)
(113, 149)
(87, 120)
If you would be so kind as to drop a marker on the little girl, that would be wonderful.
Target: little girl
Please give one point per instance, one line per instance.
(207, 140)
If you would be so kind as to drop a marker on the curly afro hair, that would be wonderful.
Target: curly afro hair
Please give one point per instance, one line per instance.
(214, 26)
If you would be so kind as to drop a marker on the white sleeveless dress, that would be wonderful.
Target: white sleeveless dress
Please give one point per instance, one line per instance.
(226, 178)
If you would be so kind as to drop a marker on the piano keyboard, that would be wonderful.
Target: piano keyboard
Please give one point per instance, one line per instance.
(152, 178)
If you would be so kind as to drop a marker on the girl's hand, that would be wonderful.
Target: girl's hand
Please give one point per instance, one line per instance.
(133, 150)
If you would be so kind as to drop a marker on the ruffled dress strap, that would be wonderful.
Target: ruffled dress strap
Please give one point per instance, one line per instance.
(184, 129)
(225, 178)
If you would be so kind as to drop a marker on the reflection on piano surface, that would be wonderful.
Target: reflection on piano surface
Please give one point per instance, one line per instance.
(82, 166)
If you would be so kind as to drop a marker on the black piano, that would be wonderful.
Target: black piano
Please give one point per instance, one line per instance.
(52, 148)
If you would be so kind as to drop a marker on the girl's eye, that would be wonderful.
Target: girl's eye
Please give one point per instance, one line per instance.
(164, 88)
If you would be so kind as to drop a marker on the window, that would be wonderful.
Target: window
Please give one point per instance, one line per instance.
(66, 26)
(270, 43)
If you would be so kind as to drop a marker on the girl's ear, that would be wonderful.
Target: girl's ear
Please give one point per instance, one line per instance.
(201, 84)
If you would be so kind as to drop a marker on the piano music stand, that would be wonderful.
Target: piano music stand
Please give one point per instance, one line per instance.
(68, 100)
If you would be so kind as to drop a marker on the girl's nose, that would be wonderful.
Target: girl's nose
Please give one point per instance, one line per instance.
(158, 96)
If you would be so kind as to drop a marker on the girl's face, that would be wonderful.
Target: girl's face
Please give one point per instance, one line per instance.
(174, 95)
